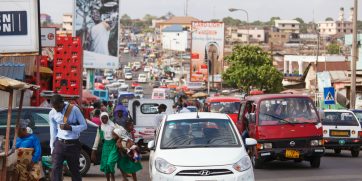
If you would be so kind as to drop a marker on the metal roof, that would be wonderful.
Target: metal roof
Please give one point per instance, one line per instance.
(7, 83)
(173, 28)
(12, 70)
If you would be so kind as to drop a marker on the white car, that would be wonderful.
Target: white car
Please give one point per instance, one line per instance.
(128, 76)
(126, 50)
(137, 65)
(342, 131)
(121, 81)
(199, 146)
(147, 69)
(142, 78)
(123, 87)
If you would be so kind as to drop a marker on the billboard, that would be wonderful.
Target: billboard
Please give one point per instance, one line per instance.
(19, 27)
(47, 37)
(207, 48)
(96, 22)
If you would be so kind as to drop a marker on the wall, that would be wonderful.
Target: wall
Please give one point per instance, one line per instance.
(176, 41)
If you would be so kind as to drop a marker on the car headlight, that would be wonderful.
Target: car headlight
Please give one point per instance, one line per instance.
(243, 164)
(268, 145)
(163, 166)
(316, 143)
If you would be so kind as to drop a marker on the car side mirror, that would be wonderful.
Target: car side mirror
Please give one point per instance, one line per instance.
(321, 115)
(151, 145)
(249, 142)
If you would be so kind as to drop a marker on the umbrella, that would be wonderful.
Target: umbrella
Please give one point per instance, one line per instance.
(200, 94)
(88, 97)
(99, 86)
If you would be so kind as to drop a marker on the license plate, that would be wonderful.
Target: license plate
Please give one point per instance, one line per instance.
(339, 133)
(291, 153)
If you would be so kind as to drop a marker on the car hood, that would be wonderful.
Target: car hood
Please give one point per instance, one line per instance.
(198, 157)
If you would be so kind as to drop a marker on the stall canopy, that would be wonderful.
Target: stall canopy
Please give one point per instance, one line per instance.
(88, 97)
(7, 84)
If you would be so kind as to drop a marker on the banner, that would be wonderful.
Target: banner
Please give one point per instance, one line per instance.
(207, 47)
(96, 22)
(19, 27)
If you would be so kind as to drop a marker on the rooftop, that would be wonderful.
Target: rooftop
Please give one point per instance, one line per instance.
(286, 22)
(193, 115)
(173, 28)
(180, 20)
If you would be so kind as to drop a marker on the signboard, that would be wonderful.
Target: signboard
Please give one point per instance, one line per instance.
(97, 61)
(96, 22)
(47, 37)
(195, 85)
(329, 96)
(207, 47)
(19, 27)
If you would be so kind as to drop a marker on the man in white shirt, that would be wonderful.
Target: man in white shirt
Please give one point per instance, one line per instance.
(161, 114)
(184, 109)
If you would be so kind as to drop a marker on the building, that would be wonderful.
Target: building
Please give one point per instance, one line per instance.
(67, 25)
(237, 34)
(45, 18)
(175, 38)
(341, 26)
(278, 38)
(348, 43)
(184, 21)
(287, 26)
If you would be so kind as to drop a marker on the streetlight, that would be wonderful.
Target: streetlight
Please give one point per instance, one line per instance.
(247, 18)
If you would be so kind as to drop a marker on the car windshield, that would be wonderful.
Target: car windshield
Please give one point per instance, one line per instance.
(358, 115)
(340, 119)
(225, 107)
(287, 111)
(199, 133)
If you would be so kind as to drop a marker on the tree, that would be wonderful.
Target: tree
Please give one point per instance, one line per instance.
(229, 21)
(329, 19)
(215, 20)
(251, 66)
(148, 19)
(272, 20)
(126, 20)
(300, 20)
(333, 48)
(302, 25)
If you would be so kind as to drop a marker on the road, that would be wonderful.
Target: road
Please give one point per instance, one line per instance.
(333, 168)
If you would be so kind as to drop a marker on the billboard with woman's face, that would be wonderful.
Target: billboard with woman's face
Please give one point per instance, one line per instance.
(207, 47)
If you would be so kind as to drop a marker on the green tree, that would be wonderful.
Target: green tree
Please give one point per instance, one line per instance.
(333, 48)
(272, 20)
(251, 66)
(215, 20)
(148, 19)
(126, 20)
(329, 19)
(302, 25)
(229, 21)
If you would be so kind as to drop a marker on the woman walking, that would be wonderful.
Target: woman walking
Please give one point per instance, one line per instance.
(129, 162)
(104, 141)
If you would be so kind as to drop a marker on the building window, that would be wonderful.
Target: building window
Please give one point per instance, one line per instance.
(293, 25)
(330, 30)
(259, 36)
(339, 24)
(240, 35)
(345, 31)
(339, 31)
(283, 25)
(283, 36)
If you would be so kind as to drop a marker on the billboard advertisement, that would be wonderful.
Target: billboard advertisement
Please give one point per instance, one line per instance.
(207, 48)
(96, 22)
(19, 27)
(47, 37)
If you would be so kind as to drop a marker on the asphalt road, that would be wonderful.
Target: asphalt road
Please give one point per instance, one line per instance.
(333, 168)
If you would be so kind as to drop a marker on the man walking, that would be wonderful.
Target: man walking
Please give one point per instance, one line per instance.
(161, 114)
(66, 124)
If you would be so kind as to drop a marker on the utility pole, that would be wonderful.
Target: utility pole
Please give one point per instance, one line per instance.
(186, 7)
(354, 58)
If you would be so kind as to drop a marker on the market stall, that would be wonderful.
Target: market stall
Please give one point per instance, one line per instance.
(8, 155)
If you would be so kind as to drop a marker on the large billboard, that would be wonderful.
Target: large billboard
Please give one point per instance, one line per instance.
(19, 27)
(207, 48)
(96, 22)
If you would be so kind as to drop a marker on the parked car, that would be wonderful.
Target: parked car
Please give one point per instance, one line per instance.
(142, 78)
(212, 135)
(147, 69)
(128, 76)
(39, 122)
(342, 131)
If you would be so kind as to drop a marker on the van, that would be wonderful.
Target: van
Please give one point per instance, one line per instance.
(286, 127)
(142, 78)
(342, 131)
(226, 105)
(143, 113)
(158, 93)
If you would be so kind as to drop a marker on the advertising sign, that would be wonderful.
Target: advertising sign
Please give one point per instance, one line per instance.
(47, 37)
(207, 47)
(96, 22)
(19, 27)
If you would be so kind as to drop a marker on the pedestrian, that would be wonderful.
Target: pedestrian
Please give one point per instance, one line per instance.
(27, 142)
(129, 162)
(66, 124)
(110, 108)
(97, 117)
(96, 106)
(161, 114)
(120, 115)
(109, 156)
(184, 108)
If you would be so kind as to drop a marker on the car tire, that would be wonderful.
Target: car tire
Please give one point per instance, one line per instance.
(257, 163)
(84, 163)
(337, 151)
(315, 162)
(355, 152)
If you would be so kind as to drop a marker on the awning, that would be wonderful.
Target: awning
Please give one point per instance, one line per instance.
(8, 84)
(44, 70)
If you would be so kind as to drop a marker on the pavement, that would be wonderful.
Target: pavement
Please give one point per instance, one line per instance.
(333, 168)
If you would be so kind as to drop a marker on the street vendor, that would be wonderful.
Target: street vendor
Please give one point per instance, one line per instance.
(27, 170)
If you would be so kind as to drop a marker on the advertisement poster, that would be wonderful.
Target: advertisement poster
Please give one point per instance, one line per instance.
(19, 27)
(96, 22)
(207, 47)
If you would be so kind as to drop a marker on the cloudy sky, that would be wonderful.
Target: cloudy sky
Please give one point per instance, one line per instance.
(217, 9)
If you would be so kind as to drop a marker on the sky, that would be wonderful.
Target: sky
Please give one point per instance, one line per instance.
(217, 9)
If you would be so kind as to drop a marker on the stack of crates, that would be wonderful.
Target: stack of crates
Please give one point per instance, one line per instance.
(68, 66)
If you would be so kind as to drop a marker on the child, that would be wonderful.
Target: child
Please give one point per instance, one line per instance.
(129, 162)
(109, 156)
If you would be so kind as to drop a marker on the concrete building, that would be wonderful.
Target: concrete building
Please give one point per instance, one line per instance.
(278, 38)
(175, 38)
(341, 26)
(287, 26)
(184, 21)
(67, 25)
(348, 43)
(236, 34)
(45, 18)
